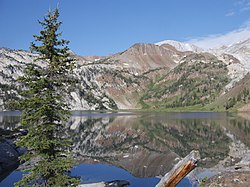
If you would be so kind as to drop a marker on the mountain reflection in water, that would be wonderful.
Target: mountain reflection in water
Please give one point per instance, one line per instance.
(148, 144)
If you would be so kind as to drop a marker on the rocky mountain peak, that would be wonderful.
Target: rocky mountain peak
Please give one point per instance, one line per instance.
(119, 80)
(240, 47)
(181, 46)
(143, 57)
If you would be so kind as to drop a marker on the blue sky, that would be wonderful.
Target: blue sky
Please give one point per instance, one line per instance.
(103, 27)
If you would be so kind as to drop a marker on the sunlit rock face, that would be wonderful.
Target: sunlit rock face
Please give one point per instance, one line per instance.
(99, 82)
(83, 94)
(120, 81)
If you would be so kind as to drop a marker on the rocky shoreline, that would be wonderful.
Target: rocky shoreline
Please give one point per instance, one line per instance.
(233, 171)
(9, 160)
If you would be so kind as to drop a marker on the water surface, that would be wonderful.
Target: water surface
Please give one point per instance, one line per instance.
(138, 146)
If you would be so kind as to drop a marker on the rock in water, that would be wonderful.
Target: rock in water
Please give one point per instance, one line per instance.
(117, 183)
(8, 159)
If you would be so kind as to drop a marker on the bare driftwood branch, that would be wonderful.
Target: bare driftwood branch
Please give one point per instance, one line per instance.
(180, 170)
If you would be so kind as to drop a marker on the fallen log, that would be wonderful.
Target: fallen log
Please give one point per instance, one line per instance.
(180, 170)
(171, 179)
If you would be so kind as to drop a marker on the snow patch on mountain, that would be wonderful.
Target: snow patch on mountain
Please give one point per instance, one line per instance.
(180, 46)
(219, 40)
(241, 51)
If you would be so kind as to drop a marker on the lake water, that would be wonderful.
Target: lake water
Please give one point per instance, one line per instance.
(138, 146)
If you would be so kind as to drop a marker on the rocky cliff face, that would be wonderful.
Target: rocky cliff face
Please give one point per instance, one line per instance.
(103, 83)
(84, 94)
(120, 81)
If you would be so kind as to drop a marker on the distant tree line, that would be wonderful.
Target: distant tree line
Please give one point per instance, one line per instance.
(242, 97)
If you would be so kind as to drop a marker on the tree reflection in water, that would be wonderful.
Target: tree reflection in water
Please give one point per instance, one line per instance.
(149, 144)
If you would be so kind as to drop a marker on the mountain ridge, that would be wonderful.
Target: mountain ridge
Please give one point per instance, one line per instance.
(120, 81)
(181, 46)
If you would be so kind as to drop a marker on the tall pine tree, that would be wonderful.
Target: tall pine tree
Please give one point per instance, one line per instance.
(44, 112)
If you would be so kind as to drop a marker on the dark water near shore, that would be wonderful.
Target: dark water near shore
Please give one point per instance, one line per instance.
(137, 146)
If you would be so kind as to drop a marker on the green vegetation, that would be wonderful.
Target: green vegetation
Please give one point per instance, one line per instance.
(233, 99)
(203, 180)
(44, 112)
(242, 97)
(189, 84)
(9, 96)
(182, 136)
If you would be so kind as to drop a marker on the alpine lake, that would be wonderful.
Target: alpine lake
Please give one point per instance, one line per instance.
(142, 146)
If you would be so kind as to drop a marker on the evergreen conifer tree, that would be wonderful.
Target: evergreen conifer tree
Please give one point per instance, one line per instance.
(44, 112)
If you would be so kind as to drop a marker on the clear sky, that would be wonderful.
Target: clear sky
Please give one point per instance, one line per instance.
(102, 27)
